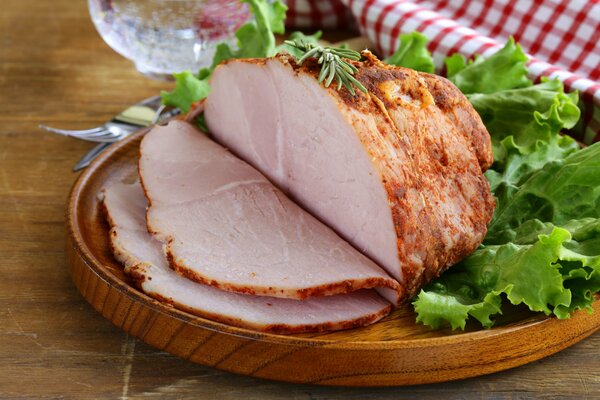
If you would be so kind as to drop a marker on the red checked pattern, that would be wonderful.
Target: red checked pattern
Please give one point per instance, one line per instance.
(318, 14)
(562, 37)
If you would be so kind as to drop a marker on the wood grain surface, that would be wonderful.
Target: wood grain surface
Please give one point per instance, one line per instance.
(55, 69)
(393, 351)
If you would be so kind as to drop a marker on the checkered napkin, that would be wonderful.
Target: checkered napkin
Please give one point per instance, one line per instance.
(318, 14)
(562, 37)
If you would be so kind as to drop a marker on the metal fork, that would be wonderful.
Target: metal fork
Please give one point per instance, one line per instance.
(130, 120)
(108, 133)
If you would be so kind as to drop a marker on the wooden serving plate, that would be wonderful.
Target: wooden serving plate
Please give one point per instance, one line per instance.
(394, 351)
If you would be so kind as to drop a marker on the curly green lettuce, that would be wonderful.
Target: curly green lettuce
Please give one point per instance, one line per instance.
(549, 268)
(255, 39)
(542, 248)
(188, 89)
(503, 70)
(543, 243)
(516, 166)
(523, 273)
(528, 115)
(562, 190)
(412, 53)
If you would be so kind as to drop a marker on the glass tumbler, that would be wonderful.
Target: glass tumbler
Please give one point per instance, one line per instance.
(162, 37)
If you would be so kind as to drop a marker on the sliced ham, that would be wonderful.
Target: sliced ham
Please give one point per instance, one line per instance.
(144, 261)
(224, 224)
(398, 172)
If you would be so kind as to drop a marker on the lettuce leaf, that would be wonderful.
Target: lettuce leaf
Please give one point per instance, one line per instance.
(522, 273)
(254, 39)
(583, 284)
(542, 249)
(452, 302)
(412, 53)
(506, 178)
(503, 70)
(530, 114)
(562, 190)
(580, 265)
(454, 64)
(543, 244)
(550, 269)
(188, 89)
(551, 266)
(516, 166)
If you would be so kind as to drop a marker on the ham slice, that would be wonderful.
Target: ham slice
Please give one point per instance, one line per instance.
(398, 171)
(224, 224)
(144, 261)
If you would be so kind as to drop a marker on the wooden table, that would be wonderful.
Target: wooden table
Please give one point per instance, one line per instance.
(55, 69)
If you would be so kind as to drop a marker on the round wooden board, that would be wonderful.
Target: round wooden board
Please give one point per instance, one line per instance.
(394, 351)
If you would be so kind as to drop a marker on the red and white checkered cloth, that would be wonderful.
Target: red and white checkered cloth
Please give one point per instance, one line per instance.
(562, 37)
(318, 14)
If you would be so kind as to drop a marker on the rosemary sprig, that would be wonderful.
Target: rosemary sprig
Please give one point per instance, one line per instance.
(333, 64)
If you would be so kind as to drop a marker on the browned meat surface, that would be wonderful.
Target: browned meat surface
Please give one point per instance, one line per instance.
(398, 172)
(455, 106)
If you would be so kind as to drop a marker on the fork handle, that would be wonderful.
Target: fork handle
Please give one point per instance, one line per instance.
(90, 155)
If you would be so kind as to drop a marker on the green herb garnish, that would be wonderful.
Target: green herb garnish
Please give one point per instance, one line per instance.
(333, 63)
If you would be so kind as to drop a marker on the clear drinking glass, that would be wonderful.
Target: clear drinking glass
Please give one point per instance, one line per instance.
(162, 37)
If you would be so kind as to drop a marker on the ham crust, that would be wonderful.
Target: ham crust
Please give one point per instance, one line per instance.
(415, 146)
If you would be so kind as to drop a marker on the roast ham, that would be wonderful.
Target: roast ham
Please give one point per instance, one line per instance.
(397, 171)
(145, 262)
(224, 224)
